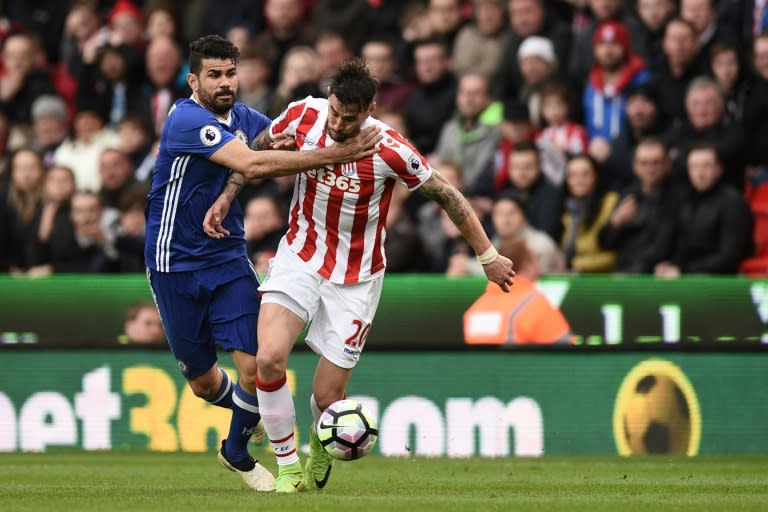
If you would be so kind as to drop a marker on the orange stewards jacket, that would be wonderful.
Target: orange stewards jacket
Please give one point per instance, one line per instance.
(524, 315)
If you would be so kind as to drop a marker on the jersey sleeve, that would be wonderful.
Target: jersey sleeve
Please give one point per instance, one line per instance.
(406, 164)
(287, 122)
(195, 130)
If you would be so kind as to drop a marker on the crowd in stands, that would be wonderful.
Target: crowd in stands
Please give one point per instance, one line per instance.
(611, 136)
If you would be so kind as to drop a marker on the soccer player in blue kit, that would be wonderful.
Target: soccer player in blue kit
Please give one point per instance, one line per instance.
(205, 288)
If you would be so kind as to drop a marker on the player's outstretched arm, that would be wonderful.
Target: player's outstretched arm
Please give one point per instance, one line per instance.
(497, 267)
(272, 163)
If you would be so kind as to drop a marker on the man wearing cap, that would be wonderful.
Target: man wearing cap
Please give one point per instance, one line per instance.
(537, 65)
(616, 71)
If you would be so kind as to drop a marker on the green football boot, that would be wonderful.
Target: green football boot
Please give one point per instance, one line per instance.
(319, 464)
(290, 478)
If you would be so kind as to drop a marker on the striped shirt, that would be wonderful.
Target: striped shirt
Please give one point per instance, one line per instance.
(338, 212)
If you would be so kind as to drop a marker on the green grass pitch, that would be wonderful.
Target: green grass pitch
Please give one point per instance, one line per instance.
(142, 481)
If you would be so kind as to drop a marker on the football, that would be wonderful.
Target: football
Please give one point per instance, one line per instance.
(347, 430)
(657, 418)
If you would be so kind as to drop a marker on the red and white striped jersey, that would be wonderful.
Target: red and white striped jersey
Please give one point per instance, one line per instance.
(338, 212)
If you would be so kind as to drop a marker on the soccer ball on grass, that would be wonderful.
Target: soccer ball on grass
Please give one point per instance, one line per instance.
(347, 430)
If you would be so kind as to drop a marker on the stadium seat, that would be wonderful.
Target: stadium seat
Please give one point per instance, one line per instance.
(757, 266)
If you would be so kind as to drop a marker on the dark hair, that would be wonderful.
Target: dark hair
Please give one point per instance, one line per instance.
(595, 199)
(210, 47)
(524, 147)
(707, 145)
(652, 141)
(353, 84)
(514, 197)
(557, 89)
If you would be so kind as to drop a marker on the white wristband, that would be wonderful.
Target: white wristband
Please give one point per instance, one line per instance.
(488, 256)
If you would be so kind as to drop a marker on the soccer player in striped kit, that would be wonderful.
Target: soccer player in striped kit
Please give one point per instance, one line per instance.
(205, 289)
(329, 267)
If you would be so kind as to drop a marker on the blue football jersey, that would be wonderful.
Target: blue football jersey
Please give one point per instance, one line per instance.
(185, 184)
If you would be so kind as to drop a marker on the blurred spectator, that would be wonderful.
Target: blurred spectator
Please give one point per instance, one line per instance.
(135, 140)
(394, 90)
(702, 14)
(25, 194)
(641, 226)
(45, 18)
(582, 57)
(446, 20)
(522, 316)
(676, 67)
(81, 151)
(53, 227)
(116, 173)
(728, 71)
(714, 226)
(479, 45)
(163, 64)
(430, 221)
(588, 207)
(537, 66)
(757, 111)
(433, 101)
(299, 68)
(284, 31)
(331, 50)
(615, 72)
(49, 125)
(162, 21)
(345, 17)
(564, 134)
(126, 23)
(84, 34)
(253, 71)
(465, 139)
(652, 16)
(527, 18)
(240, 36)
(129, 236)
(20, 82)
(510, 223)
(85, 252)
(705, 106)
(142, 325)
(265, 225)
(112, 86)
(403, 247)
(543, 199)
(643, 120)
(515, 128)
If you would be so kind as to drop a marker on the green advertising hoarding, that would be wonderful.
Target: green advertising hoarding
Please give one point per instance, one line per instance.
(426, 311)
(428, 403)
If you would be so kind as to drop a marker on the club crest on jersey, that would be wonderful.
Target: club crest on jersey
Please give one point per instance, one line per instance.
(240, 134)
(414, 164)
(348, 169)
(210, 135)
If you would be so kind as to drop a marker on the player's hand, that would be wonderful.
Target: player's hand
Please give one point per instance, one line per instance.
(361, 146)
(284, 142)
(212, 223)
(500, 272)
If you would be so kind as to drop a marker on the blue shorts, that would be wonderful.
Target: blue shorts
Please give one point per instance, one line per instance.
(202, 308)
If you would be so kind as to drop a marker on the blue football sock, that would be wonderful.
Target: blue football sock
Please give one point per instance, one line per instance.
(223, 396)
(245, 417)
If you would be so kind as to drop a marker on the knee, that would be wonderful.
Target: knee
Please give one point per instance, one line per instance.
(271, 364)
(203, 388)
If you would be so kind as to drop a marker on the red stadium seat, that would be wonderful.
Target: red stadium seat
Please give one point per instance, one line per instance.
(757, 266)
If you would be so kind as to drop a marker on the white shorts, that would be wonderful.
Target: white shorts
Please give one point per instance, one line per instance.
(340, 314)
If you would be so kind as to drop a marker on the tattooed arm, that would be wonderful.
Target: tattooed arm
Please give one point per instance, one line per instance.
(499, 268)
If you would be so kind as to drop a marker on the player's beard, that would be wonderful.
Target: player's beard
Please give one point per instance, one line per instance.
(214, 102)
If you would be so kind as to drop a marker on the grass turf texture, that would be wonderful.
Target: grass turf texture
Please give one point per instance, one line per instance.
(142, 481)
